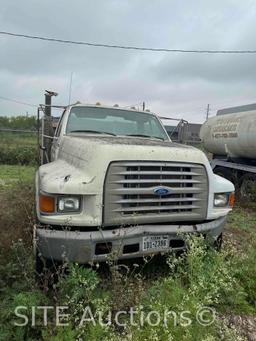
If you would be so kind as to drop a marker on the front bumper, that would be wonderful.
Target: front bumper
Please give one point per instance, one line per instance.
(83, 247)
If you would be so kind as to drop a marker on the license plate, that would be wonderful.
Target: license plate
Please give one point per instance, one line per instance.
(155, 243)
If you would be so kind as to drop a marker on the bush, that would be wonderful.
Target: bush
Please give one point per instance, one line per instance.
(18, 288)
(18, 148)
(223, 281)
(18, 122)
(17, 215)
(201, 278)
(23, 155)
(197, 279)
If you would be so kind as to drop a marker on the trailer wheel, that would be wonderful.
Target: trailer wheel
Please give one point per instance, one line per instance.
(248, 188)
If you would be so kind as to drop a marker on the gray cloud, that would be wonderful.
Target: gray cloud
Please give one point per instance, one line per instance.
(173, 84)
(212, 68)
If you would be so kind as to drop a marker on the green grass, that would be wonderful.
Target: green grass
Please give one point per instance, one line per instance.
(16, 148)
(241, 226)
(201, 278)
(11, 138)
(224, 281)
(243, 219)
(11, 175)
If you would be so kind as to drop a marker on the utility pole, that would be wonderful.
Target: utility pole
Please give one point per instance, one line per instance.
(207, 111)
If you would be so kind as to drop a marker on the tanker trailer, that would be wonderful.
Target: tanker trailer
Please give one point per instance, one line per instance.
(231, 138)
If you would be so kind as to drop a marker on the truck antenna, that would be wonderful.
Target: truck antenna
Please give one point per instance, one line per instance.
(70, 88)
(207, 111)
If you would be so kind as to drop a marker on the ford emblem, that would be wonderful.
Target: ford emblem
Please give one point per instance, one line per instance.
(161, 191)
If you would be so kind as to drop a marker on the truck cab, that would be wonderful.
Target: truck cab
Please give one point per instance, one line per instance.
(117, 185)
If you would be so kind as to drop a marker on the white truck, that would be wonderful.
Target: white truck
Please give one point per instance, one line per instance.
(116, 184)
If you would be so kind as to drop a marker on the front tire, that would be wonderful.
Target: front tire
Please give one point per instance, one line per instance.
(47, 271)
(218, 242)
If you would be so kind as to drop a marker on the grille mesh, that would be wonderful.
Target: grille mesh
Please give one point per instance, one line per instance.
(130, 198)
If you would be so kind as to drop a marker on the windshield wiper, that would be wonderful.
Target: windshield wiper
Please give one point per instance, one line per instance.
(92, 131)
(142, 135)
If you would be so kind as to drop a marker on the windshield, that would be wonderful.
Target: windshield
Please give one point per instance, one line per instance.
(114, 122)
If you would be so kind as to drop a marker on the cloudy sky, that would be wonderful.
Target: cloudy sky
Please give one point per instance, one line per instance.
(176, 85)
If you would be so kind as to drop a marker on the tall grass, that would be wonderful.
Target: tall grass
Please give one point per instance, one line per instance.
(223, 281)
(200, 278)
(16, 148)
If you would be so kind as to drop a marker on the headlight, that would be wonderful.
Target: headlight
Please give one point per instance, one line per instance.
(68, 204)
(224, 199)
(51, 204)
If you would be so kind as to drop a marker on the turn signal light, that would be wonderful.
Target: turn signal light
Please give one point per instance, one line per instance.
(232, 200)
(46, 203)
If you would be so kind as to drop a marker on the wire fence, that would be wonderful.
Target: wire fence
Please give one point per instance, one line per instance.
(18, 131)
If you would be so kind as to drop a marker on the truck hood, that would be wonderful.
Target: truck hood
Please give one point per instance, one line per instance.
(83, 160)
(87, 148)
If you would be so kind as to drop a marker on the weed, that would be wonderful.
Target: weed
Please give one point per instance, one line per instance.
(18, 149)
(17, 215)
(223, 281)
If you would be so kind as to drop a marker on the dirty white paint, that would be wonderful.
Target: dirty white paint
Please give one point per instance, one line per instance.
(231, 134)
(80, 163)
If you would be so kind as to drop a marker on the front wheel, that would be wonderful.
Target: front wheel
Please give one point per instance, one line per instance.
(43, 269)
(47, 271)
(218, 242)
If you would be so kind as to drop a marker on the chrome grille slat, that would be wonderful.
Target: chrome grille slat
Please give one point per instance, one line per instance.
(156, 164)
(148, 190)
(156, 173)
(155, 208)
(127, 201)
(130, 198)
(160, 181)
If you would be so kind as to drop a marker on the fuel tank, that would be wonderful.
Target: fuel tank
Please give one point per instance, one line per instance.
(231, 134)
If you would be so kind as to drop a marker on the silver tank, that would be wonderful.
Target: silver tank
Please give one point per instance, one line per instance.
(232, 134)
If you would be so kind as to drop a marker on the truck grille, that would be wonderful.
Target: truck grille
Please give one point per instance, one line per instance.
(130, 198)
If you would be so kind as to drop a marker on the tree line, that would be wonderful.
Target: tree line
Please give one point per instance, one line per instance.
(18, 122)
